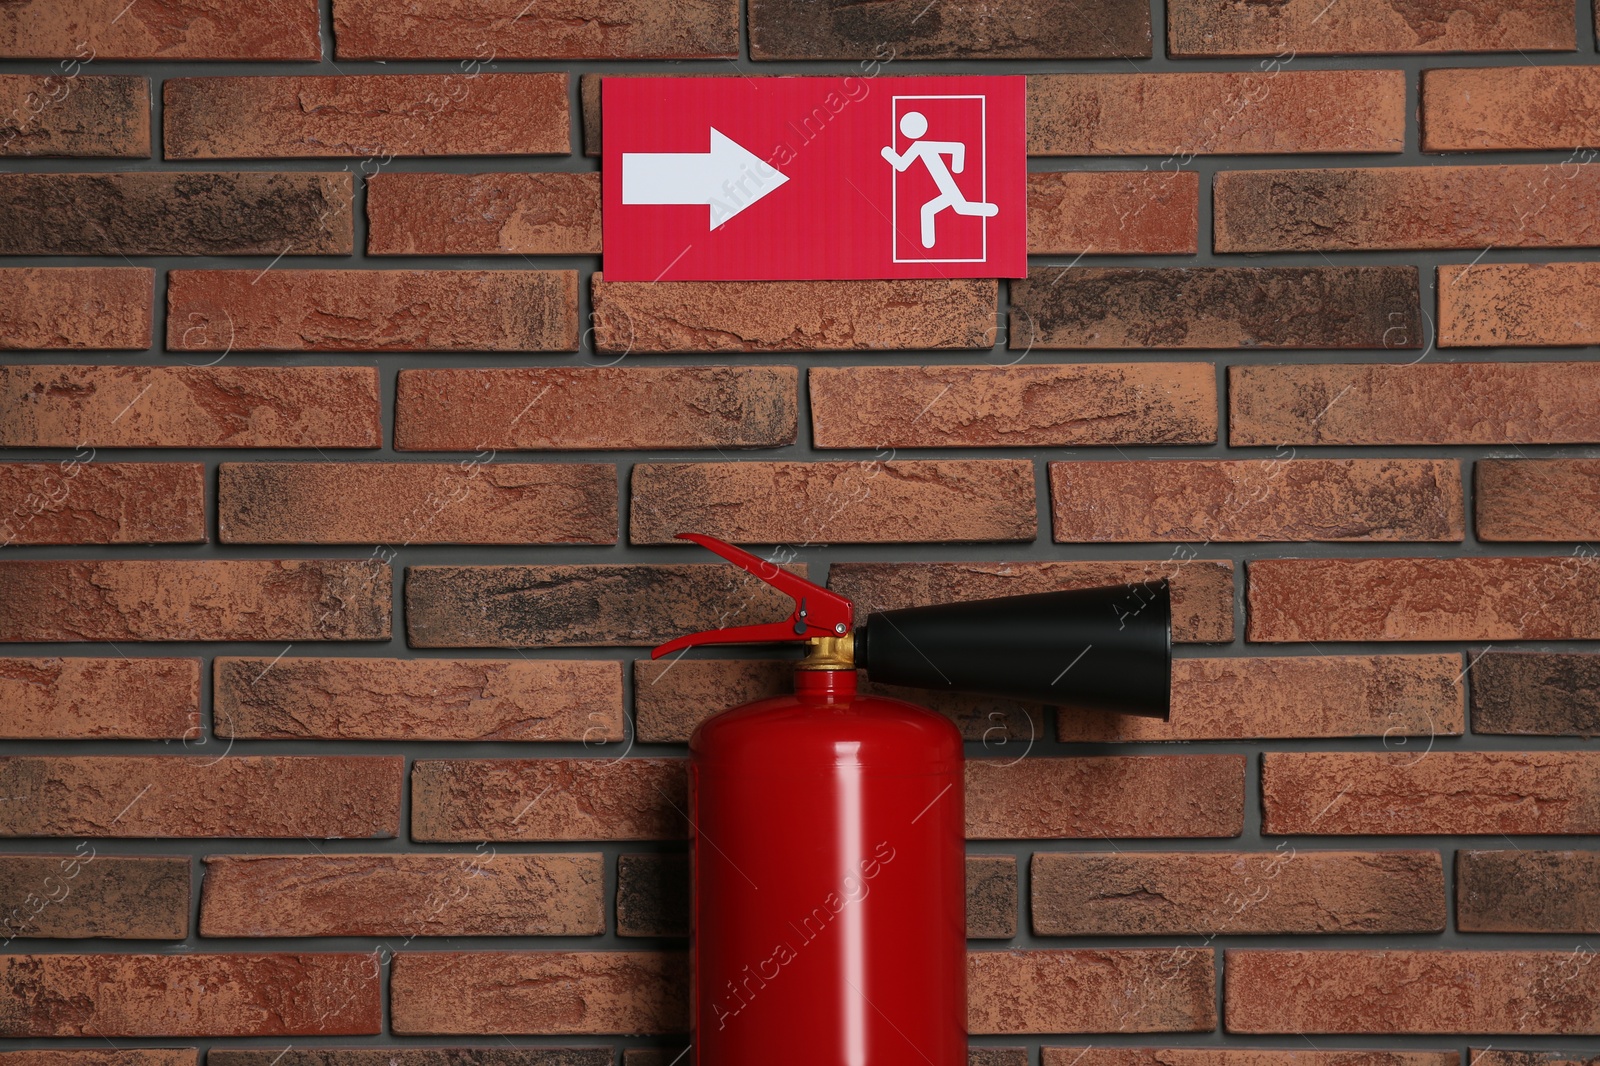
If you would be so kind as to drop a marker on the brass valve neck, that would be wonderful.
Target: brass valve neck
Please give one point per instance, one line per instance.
(829, 653)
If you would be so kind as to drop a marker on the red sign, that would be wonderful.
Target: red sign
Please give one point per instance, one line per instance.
(730, 178)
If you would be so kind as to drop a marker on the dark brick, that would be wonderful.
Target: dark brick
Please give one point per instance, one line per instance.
(586, 29)
(1528, 891)
(991, 897)
(83, 116)
(1365, 27)
(1536, 693)
(86, 894)
(1537, 499)
(946, 29)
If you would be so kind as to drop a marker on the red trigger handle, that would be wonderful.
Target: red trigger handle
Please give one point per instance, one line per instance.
(817, 612)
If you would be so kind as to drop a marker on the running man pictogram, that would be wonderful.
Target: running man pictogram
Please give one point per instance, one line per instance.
(914, 124)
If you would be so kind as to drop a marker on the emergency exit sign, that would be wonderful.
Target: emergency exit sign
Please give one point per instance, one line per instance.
(751, 178)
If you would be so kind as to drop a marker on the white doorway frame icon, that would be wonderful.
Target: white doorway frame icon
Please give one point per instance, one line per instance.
(983, 176)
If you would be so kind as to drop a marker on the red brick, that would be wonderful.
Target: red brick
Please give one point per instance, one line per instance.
(1528, 891)
(603, 605)
(539, 992)
(1114, 797)
(1543, 598)
(1501, 1057)
(1421, 403)
(82, 116)
(1216, 307)
(372, 311)
(328, 796)
(1290, 697)
(1496, 109)
(315, 994)
(1224, 500)
(378, 115)
(469, 800)
(483, 214)
(86, 894)
(100, 699)
(1035, 405)
(588, 29)
(1149, 990)
(417, 503)
(169, 29)
(1364, 27)
(1433, 792)
(1405, 207)
(216, 599)
(150, 213)
(1489, 305)
(1222, 113)
(1536, 693)
(159, 1056)
(588, 407)
(1143, 212)
(1537, 499)
(76, 307)
(189, 407)
(506, 700)
(85, 502)
(506, 1054)
(866, 502)
(1299, 992)
(1217, 892)
(1241, 1056)
(792, 316)
(474, 894)
(1202, 589)
(944, 29)
(671, 697)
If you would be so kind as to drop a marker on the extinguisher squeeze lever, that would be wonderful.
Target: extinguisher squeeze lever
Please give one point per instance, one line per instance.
(818, 613)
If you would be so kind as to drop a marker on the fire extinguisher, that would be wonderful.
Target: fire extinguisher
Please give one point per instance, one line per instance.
(827, 827)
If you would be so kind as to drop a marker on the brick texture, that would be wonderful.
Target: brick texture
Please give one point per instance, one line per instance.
(1242, 1056)
(471, 894)
(170, 29)
(85, 894)
(1113, 213)
(1421, 403)
(1537, 499)
(1154, 990)
(584, 606)
(539, 992)
(1299, 992)
(102, 1057)
(1216, 113)
(1120, 796)
(792, 316)
(85, 502)
(1364, 27)
(579, 408)
(1258, 499)
(1406, 207)
(233, 599)
(1028, 405)
(991, 897)
(314, 117)
(1493, 109)
(1534, 304)
(417, 503)
(253, 213)
(1216, 307)
(1543, 598)
(313, 994)
(1216, 892)
(418, 699)
(372, 310)
(504, 1055)
(589, 29)
(1528, 891)
(297, 797)
(189, 406)
(76, 307)
(1536, 693)
(471, 800)
(1390, 696)
(1501, 1057)
(903, 29)
(84, 698)
(1202, 589)
(90, 116)
(1461, 792)
(483, 214)
(867, 502)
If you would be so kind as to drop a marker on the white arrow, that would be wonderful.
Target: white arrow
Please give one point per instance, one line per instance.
(727, 179)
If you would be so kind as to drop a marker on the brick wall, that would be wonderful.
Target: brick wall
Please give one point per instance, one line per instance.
(339, 487)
